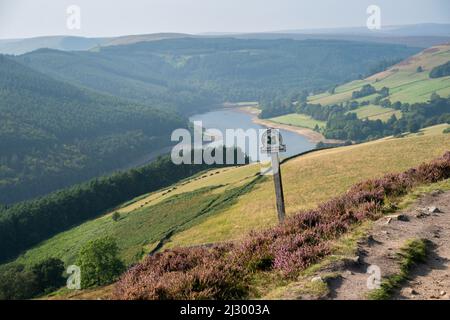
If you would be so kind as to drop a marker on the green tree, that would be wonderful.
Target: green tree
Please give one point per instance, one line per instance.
(434, 96)
(16, 283)
(332, 90)
(413, 126)
(116, 216)
(440, 71)
(99, 262)
(49, 275)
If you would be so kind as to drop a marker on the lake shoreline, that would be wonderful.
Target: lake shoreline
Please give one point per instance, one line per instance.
(311, 135)
(233, 118)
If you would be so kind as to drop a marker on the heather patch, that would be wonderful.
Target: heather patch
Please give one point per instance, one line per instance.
(223, 271)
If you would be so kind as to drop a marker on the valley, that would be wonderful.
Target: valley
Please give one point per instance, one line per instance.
(226, 204)
(141, 92)
(87, 181)
(254, 210)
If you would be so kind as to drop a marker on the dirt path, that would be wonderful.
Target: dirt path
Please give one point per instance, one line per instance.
(428, 281)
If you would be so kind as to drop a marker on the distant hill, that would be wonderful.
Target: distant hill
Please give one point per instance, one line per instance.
(412, 30)
(417, 35)
(125, 40)
(408, 81)
(192, 73)
(411, 41)
(405, 97)
(66, 43)
(53, 134)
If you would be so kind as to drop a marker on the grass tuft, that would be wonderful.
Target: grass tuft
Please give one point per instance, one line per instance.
(414, 252)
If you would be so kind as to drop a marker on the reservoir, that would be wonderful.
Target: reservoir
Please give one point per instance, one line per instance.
(233, 119)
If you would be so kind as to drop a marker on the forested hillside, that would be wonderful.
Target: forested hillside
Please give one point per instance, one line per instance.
(29, 222)
(53, 134)
(408, 96)
(190, 74)
(70, 116)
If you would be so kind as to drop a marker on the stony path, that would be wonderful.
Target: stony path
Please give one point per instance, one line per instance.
(430, 280)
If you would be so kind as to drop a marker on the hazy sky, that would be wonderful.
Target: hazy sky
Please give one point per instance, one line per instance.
(28, 18)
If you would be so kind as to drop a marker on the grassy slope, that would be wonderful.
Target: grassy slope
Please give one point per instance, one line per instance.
(213, 206)
(315, 178)
(403, 80)
(299, 120)
(148, 218)
(373, 112)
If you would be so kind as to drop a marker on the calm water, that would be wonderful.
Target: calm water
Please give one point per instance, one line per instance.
(230, 119)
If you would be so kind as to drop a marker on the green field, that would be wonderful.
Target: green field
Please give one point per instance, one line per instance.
(134, 232)
(315, 178)
(299, 120)
(149, 218)
(373, 112)
(226, 204)
(405, 83)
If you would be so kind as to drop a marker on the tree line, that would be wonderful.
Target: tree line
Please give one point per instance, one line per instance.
(344, 125)
(440, 71)
(25, 224)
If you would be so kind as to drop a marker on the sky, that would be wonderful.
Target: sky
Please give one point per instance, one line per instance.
(31, 18)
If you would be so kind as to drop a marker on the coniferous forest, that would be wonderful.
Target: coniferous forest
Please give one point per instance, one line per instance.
(71, 116)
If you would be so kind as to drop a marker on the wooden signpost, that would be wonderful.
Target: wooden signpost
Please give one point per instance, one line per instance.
(272, 144)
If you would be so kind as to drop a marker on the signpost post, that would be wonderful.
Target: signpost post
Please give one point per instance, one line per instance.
(272, 144)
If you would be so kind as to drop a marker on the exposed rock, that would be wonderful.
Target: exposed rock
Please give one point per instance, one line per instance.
(371, 240)
(346, 261)
(412, 292)
(399, 217)
(434, 210)
(442, 293)
(355, 259)
(317, 279)
(422, 215)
